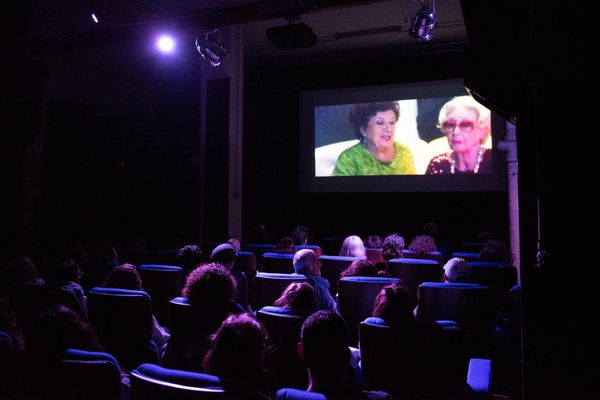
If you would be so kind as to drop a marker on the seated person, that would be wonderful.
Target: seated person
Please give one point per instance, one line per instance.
(307, 263)
(237, 356)
(361, 268)
(353, 246)
(392, 306)
(210, 289)
(299, 297)
(324, 348)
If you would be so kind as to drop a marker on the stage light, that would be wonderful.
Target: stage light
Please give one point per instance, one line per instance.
(294, 35)
(423, 22)
(95, 18)
(210, 49)
(165, 44)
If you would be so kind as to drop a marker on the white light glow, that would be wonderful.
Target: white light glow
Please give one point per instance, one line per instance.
(95, 18)
(165, 44)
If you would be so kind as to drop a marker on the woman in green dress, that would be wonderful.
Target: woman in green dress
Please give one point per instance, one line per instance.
(377, 153)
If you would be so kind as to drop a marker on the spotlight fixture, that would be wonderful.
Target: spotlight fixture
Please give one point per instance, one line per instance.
(423, 22)
(210, 49)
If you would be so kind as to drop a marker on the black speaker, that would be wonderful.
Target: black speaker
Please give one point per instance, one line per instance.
(291, 36)
(492, 62)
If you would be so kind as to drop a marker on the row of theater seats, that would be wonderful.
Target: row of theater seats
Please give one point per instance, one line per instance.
(85, 375)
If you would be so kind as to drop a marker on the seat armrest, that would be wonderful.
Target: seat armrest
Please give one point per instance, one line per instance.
(479, 376)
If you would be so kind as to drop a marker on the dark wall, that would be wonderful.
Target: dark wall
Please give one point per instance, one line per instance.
(271, 159)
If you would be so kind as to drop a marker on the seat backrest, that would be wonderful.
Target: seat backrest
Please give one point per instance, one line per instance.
(269, 286)
(332, 267)
(428, 361)
(123, 320)
(470, 305)
(413, 272)
(88, 375)
(284, 325)
(374, 255)
(276, 262)
(500, 277)
(316, 248)
(258, 248)
(297, 394)
(434, 255)
(356, 296)
(153, 382)
(241, 284)
(165, 256)
(466, 255)
(162, 283)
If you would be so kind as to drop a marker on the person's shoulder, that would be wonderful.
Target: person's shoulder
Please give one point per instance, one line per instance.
(400, 147)
(353, 150)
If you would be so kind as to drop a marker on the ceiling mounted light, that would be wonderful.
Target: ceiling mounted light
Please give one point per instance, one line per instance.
(210, 49)
(294, 35)
(423, 22)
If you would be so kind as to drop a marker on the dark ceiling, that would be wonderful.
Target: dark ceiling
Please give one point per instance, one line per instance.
(344, 28)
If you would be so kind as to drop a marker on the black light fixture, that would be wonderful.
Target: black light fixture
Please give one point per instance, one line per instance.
(294, 35)
(423, 22)
(210, 49)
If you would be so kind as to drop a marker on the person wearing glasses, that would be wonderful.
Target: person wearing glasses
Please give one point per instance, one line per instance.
(466, 125)
(377, 152)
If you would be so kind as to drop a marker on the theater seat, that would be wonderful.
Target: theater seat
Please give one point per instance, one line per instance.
(429, 359)
(153, 382)
(413, 272)
(162, 283)
(284, 325)
(269, 286)
(356, 296)
(297, 394)
(123, 320)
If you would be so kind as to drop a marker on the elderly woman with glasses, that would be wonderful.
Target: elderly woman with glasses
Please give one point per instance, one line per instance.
(466, 124)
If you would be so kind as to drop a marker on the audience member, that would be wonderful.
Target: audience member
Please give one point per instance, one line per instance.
(235, 242)
(237, 356)
(225, 254)
(20, 271)
(298, 296)
(210, 289)
(126, 276)
(56, 329)
(422, 244)
(285, 246)
(101, 260)
(374, 242)
(456, 270)
(393, 245)
(10, 325)
(324, 348)
(66, 278)
(189, 257)
(300, 235)
(496, 251)
(392, 306)
(353, 246)
(361, 268)
(307, 263)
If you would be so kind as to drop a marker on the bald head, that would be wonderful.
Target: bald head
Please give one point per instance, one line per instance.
(306, 262)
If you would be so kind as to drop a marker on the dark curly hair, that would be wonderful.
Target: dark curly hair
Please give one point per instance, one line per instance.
(209, 284)
(360, 114)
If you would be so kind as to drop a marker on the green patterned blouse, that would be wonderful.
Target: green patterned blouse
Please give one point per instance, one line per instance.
(357, 160)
